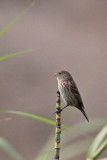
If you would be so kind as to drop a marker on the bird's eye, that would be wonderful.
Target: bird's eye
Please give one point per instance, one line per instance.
(59, 73)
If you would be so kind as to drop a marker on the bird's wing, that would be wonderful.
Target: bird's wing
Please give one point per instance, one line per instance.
(76, 93)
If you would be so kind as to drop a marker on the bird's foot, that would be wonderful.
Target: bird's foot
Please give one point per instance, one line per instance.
(58, 111)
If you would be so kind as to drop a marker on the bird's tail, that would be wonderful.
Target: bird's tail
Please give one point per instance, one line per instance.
(82, 110)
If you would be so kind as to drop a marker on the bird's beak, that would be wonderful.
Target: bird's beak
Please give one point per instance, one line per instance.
(56, 74)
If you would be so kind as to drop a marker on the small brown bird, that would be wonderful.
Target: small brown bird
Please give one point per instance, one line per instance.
(69, 91)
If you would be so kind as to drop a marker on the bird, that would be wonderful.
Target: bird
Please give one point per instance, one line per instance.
(69, 92)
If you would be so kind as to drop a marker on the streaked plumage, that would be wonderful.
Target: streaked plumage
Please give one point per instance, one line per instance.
(69, 91)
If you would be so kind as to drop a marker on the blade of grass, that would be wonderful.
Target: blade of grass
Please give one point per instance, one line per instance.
(31, 116)
(96, 143)
(13, 55)
(9, 149)
(16, 19)
(100, 149)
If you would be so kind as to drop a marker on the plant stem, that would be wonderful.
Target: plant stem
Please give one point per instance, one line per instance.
(100, 150)
(58, 127)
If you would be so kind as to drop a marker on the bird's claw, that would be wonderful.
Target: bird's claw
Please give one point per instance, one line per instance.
(58, 111)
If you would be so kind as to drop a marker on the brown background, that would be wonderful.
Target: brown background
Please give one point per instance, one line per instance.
(64, 34)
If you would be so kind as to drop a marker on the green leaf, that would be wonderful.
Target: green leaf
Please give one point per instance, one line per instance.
(31, 116)
(16, 19)
(96, 143)
(9, 149)
(13, 55)
(100, 149)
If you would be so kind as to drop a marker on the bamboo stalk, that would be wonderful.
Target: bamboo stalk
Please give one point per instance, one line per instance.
(58, 127)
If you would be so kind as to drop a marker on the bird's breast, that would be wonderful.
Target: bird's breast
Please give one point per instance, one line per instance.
(65, 92)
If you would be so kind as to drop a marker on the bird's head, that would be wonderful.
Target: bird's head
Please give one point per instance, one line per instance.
(62, 75)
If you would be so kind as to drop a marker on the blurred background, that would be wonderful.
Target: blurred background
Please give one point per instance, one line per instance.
(69, 35)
